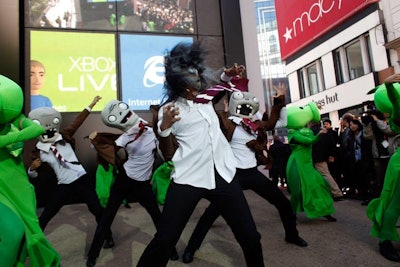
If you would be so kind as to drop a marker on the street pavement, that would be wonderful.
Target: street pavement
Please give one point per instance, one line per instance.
(343, 243)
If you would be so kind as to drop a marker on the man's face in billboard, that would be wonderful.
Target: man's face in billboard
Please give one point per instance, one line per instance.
(37, 78)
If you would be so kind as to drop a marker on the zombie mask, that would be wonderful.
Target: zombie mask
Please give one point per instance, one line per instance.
(243, 104)
(50, 120)
(299, 117)
(116, 114)
(11, 100)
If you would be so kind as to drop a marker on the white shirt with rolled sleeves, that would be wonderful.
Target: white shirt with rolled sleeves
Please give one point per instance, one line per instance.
(140, 153)
(202, 146)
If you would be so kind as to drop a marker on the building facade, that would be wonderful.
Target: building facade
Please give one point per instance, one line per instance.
(337, 51)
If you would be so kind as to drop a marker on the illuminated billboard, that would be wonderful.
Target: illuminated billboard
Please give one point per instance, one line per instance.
(77, 67)
(301, 22)
(142, 68)
(125, 15)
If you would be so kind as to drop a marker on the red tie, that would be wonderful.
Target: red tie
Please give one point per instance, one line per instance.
(249, 126)
(142, 126)
(141, 130)
(60, 158)
(57, 154)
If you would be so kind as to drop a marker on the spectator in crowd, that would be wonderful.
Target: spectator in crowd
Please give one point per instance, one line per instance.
(358, 160)
(323, 151)
(379, 132)
(345, 170)
(279, 153)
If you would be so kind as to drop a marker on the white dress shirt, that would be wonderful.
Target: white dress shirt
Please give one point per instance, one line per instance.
(202, 146)
(140, 153)
(67, 172)
(245, 157)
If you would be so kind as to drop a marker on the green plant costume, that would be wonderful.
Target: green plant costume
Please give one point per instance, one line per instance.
(385, 210)
(20, 234)
(309, 191)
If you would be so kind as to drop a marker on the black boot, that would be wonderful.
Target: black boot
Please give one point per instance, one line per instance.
(330, 218)
(109, 243)
(90, 262)
(388, 251)
(174, 256)
(298, 241)
(187, 256)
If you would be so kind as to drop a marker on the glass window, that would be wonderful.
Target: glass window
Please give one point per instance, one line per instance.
(312, 75)
(302, 86)
(354, 60)
(338, 67)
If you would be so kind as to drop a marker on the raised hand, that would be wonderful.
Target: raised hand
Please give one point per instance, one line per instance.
(170, 116)
(235, 70)
(94, 101)
(280, 89)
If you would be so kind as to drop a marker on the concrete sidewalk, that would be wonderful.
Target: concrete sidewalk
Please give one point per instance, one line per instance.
(343, 243)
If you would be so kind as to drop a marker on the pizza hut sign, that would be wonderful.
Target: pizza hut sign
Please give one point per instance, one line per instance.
(301, 22)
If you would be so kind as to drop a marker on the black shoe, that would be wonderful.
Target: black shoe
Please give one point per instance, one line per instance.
(365, 202)
(338, 199)
(330, 218)
(388, 251)
(109, 243)
(298, 241)
(90, 262)
(174, 256)
(187, 256)
(126, 205)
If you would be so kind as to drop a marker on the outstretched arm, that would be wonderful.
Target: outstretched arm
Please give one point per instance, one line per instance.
(27, 130)
(74, 126)
(277, 117)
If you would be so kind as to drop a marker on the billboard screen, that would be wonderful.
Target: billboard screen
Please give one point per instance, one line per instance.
(125, 15)
(69, 70)
(142, 68)
(301, 22)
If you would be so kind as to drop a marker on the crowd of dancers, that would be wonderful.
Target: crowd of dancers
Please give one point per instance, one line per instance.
(214, 155)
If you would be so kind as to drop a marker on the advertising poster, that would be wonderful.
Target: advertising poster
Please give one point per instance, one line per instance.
(142, 68)
(131, 15)
(77, 67)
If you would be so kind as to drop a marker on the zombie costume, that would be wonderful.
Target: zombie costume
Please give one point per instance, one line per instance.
(56, 149)
(20, 233)
(243, 106)
(309, 191)
(385, 210)
(132, 176)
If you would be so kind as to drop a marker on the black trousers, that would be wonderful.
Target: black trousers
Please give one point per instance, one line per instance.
(66, 193)
(122, 187)
(180, 202)
(256, 181)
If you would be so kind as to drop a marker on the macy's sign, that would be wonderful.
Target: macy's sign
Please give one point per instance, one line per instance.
(314, 13)
(301, 22)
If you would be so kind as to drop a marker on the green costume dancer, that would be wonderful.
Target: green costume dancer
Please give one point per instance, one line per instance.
(385, 210)
(20, 234)
(309, 191)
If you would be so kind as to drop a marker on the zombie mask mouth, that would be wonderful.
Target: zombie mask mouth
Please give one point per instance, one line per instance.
(49, 134)
(243, 104)
(126, 118)
(244, 110)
